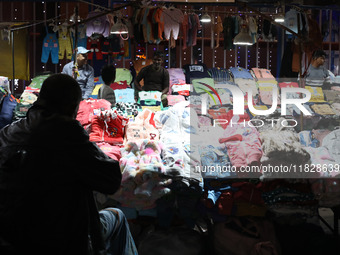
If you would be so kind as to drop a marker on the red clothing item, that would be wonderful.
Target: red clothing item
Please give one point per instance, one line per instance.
(226, 117)
(108, 129)
(89, 108)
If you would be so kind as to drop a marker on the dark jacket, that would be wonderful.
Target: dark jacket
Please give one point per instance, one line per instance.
(48, 170)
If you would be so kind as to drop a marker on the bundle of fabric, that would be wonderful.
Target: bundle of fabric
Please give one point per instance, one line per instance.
(176, 76)
(223, 197)
(150, 100)
(195, 71)
(220, 75)
(125, 95)
(89, 108)
(243, 145)
(179, 128)
(26, 100)
(128, 110)
(262, 74)
(108, 127)
(290, 95)
(225, 117)
(266, 91)
(292, 201)
(244, 80)
(123, 79)
(142, 169)
(143, 127)
(38, 81)
(282, 148)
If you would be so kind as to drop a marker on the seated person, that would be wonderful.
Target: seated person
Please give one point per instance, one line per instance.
(156, 78)
(48, 172)
(108, 74)
(317, 74)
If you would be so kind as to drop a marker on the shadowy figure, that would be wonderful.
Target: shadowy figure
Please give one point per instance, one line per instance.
(48, 172)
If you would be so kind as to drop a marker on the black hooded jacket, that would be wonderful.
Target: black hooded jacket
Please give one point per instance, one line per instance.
(48, 170)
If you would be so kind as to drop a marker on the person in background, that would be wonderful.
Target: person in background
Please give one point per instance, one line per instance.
(108, 74)
(48, 172)
(317, 74)
(156, 78)
(83, 71)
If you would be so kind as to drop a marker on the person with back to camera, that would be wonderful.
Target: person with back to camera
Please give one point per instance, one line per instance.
(48, 172)
(108, 74)
(156, 78)
(82, 70)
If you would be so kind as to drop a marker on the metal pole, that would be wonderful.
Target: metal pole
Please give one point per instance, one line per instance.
(246, 57)
(257, 53)
(330, 41)
(267, 55)
(12, 40)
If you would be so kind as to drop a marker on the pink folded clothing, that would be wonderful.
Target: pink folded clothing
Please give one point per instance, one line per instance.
(110, 150)
(174, 99)
(91, 107)
(337, 88)
(243, 145)
(261, 73)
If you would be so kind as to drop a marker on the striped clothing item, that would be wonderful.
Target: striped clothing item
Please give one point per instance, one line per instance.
(316, 76)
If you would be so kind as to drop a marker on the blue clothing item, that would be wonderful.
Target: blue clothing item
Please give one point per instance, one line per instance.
(215, 163)
(240, 72)
(125, 95)
(220, 75)
(85, 78)
(7, 106)
(50, 45)
(116, 232)
(307, 139)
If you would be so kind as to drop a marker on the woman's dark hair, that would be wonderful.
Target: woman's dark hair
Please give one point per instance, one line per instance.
(108, 74)
(318, 53)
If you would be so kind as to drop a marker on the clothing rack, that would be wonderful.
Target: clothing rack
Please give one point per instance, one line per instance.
(221, 12)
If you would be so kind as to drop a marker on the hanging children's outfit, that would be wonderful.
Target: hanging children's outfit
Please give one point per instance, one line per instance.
(50, 45)
(64, 42)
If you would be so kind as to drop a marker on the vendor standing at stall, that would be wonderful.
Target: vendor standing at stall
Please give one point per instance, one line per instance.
(156, 78)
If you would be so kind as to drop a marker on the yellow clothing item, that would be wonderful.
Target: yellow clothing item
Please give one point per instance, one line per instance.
(65, 44)
(317, 94)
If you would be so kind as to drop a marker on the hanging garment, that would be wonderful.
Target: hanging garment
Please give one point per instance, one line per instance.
(100, 25)
(218, 28)
(253, 28)
(82, 39)
(94, 45)
(228, 32)
(64, 43)
(50, 45)
(172, 17)
(185, 28)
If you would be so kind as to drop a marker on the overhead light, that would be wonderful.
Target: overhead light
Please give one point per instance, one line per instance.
(279, 18)
(206, 18)
(119, 28)
(73, 18)
(243, 38)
